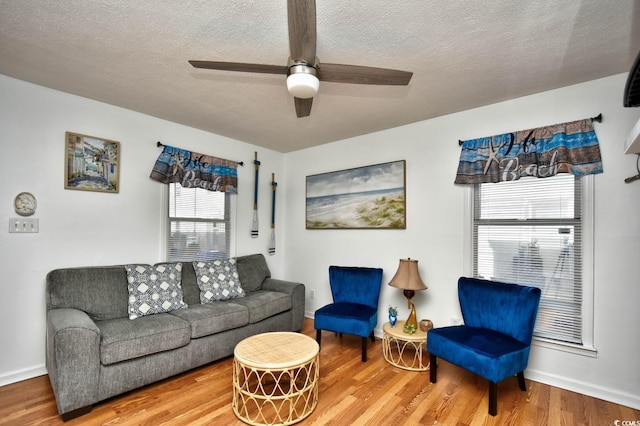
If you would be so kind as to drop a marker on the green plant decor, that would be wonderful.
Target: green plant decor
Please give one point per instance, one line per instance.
(409, 328)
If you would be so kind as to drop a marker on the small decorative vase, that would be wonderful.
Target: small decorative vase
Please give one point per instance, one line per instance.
(393, 319)
(426, 325)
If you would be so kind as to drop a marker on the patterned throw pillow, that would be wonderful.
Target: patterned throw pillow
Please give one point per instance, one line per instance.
(218, 280)
(154, 289)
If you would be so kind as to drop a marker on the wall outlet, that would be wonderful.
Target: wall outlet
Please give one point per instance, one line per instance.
(312, 294)
(24, 225)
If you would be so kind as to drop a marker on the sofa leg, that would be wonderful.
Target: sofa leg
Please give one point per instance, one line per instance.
(523, 385)
(76, 413)
(318, 337)
(364, 349)
(373, 338)
(493, 398)
(433, 367)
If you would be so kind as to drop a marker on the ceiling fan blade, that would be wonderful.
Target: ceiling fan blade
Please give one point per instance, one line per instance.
(302, 30)
(356, 74)
(238, 66)
(303, 106)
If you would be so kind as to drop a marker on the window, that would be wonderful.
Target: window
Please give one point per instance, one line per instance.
(199, 224)
(531, 232)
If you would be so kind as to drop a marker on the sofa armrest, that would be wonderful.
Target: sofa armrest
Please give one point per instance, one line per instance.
(73, 358)
(297, 293)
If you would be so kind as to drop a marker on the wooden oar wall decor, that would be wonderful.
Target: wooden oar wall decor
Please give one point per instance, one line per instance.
(254, 224)
(272, 240)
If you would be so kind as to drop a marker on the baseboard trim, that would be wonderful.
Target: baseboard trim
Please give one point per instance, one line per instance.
(20, 375)
(607, 394)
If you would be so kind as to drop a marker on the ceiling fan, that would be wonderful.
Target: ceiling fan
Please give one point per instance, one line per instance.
(303, 69)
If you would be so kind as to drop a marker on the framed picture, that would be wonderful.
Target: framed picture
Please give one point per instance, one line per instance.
(370, 197)
(91, 163)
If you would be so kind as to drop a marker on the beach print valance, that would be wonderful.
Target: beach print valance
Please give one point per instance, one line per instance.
(194, 170)
(546, 151)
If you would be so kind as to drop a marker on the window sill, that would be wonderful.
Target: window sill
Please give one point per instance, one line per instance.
(573, 348)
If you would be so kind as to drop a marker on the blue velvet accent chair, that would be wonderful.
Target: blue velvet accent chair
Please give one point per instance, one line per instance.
(354, 310)
(495, 339)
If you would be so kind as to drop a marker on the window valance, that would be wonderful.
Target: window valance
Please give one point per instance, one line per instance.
(570, 147)
(195, 170)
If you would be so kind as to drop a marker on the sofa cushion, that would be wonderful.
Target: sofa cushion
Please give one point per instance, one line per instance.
(122, 339)
(213, 317)
(154, 289)
(264, 304)
(252, 270)
(218, 280)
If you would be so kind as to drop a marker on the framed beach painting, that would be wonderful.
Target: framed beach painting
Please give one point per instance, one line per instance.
(370, 197)
(91, 163)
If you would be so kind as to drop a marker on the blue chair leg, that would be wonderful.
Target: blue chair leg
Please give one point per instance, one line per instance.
(433, 367)
(318, 337)
(364, 349)
(523, 386)
(493, 393)
(493, 398)
(364, 346)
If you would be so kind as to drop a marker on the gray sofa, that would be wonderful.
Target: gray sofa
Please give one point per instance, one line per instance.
(94, 351)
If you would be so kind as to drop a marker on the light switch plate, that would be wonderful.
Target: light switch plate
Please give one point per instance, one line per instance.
(24, 225)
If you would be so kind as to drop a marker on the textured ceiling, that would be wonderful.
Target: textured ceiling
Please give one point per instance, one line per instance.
(463, 54)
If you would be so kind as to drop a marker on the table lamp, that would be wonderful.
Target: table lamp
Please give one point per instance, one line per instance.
(408, 279)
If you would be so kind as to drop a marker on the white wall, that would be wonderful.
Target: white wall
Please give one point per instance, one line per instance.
(436, 225)
(80, 228)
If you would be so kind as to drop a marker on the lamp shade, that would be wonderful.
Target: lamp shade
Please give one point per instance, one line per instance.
(408, 277)
(302, 81)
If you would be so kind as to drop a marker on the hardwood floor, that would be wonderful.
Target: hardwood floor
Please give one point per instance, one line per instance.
(351, 393)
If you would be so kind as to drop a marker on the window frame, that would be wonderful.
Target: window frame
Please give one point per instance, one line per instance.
(587, 348)
(229, 218)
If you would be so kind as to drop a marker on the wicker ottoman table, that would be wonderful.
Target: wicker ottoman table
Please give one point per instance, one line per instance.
(275, 378)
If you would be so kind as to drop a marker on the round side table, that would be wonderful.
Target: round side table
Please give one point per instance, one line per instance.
(407, 351)
(275, 378)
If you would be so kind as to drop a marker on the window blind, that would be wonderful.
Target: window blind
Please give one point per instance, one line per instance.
(529, 232)
(200, 224)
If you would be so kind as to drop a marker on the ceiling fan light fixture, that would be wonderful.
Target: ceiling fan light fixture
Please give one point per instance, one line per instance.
(302, 81)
